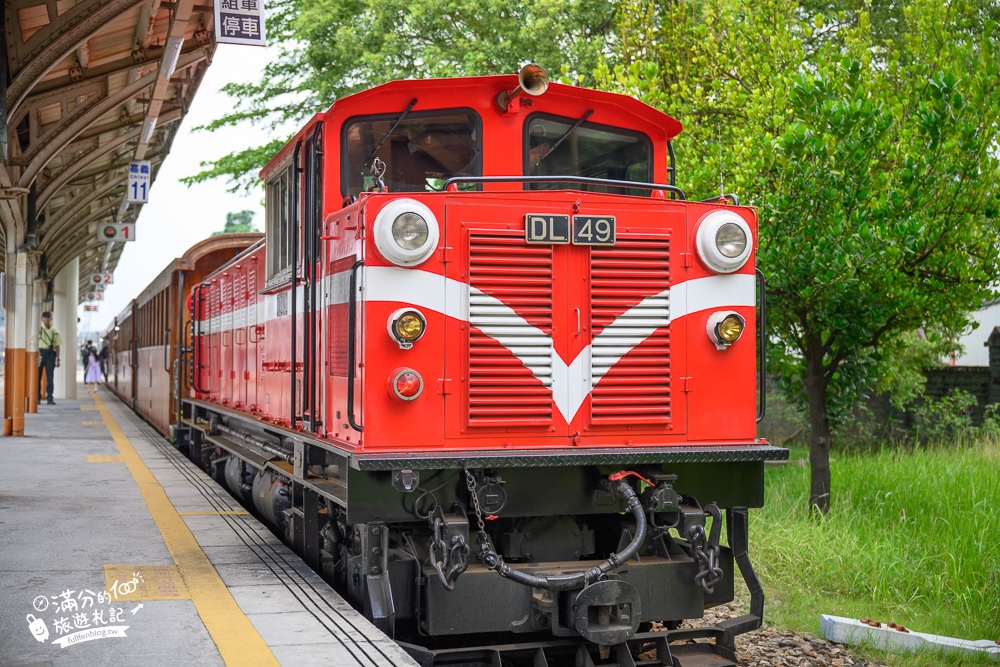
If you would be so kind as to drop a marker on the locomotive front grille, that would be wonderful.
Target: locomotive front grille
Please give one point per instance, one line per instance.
(510, 337)
(511, 353)
(630, 355)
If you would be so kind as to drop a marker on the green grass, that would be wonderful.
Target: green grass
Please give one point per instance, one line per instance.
(912, 537)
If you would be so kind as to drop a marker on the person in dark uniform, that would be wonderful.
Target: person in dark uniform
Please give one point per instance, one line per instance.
(49, 343)
(102, 357)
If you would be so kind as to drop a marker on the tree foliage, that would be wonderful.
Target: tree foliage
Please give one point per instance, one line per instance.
(872, 155)
(240, 221)
(330, 48)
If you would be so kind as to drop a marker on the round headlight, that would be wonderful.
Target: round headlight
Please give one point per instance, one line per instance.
(406, 232)
(731, 240)
(409, 230)
(723, 241)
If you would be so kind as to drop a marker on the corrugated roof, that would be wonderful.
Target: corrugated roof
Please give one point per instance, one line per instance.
(83, 85)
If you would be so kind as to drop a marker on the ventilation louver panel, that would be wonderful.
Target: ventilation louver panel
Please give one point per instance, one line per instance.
(630, 387)
(510, 345)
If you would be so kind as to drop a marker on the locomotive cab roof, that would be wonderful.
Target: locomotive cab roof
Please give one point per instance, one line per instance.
(501, 132)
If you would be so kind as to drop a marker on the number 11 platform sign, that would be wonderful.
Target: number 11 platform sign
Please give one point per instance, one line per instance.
(138, 182)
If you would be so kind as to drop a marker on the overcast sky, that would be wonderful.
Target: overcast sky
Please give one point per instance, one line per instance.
(177, 216)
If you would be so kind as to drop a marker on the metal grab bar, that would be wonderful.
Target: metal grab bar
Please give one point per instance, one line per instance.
(451, 185)
(186, 351)
(723, 197)
(196, 316)
(352, 320)
(762, 346)
(166, 351)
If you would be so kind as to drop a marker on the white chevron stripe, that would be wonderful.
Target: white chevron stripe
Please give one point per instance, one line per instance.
(571, 383)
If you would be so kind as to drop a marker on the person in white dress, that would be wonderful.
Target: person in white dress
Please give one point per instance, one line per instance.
(93, 375)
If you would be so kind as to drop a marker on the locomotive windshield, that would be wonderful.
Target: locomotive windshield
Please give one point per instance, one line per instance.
(571, 147)
(420, 152)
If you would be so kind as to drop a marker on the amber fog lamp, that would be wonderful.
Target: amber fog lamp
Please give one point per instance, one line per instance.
(725, 328)
(406, 326)
(405, 384)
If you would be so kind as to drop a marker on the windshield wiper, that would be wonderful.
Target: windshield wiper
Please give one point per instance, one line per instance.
(568, 132)
(392, 129)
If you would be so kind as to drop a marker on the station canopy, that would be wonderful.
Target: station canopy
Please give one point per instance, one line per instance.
(91, 86)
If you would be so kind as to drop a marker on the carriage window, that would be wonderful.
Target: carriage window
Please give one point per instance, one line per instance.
(279, 202)
(553, 148)
(420, 153)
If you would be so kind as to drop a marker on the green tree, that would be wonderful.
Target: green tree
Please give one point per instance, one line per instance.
(872, 156)
(329, 48)
(241, 221)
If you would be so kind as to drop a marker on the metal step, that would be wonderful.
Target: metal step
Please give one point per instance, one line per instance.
(701, 655)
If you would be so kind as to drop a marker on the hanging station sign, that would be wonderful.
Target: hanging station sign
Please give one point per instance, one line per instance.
(240, 22)
(100, 279)
(138, 182)
(112, 232)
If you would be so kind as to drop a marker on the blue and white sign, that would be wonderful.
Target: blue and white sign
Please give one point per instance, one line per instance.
(240, 22)
(138, 182)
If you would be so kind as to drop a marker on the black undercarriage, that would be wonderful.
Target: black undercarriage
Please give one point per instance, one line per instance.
(485, 559)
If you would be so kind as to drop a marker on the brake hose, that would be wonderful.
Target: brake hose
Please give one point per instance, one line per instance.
(567, 582)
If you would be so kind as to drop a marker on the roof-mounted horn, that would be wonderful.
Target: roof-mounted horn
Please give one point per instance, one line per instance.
(531, 80)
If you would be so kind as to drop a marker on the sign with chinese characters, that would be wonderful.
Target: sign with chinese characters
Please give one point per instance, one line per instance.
(110, 231)
(138, 182)
(77, 617)
(89, 308)
(93, 296)
(100, 279)
(240, 22)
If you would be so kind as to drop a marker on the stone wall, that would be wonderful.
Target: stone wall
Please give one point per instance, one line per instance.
(982, 382)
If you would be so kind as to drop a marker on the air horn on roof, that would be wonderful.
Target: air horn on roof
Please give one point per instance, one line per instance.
(532, 80)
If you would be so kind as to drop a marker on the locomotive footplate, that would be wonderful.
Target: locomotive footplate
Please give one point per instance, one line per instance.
(669, 648)
(652, 588)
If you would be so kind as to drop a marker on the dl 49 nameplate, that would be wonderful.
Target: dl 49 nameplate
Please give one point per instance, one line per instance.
(541, 228)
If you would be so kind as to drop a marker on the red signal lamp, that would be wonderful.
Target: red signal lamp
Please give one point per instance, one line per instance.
(405, 384)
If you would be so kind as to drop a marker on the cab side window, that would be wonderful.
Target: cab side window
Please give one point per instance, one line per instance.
(279, 203)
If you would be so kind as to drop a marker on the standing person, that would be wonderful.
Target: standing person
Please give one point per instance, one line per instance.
(93, 375)
(49, 342)
(103, 358)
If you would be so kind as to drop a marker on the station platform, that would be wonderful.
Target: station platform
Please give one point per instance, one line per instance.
(115, 549)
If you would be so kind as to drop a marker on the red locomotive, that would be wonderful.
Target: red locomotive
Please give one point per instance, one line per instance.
(492, 374)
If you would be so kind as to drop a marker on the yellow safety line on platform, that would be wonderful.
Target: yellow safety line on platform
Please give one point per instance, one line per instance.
(97, 458)
(215, 513)
(237, 639)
